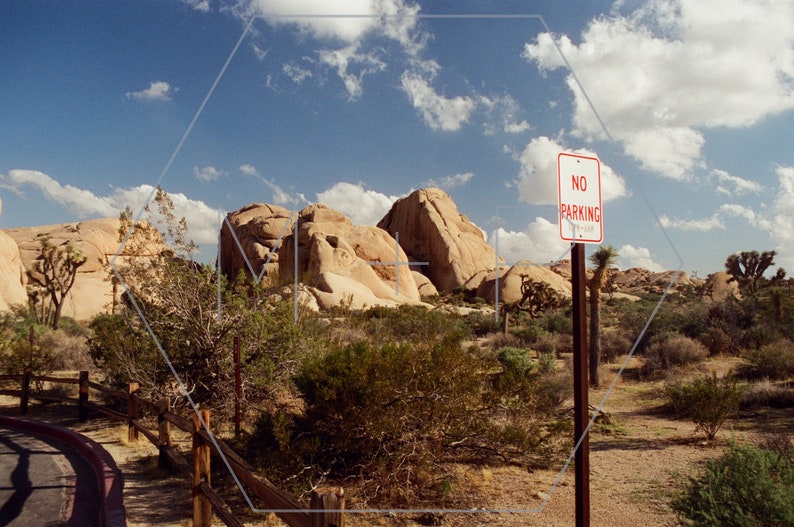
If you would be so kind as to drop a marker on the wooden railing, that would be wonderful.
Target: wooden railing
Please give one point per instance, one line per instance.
(326, 505)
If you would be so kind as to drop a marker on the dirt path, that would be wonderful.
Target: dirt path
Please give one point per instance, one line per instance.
(633, 460)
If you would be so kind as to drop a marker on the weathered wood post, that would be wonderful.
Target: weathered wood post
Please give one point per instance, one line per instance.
(163, 435)
(82, 398)
(238, 390)
(132, 411)
(25, 396)
(327, 504)
(202, 507)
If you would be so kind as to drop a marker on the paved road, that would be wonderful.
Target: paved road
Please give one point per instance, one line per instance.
(45, 483)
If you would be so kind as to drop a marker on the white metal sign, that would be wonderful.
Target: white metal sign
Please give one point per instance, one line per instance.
(579, 198)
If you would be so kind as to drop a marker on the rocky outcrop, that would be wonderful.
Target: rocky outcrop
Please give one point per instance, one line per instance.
(12, 274)
(97, 240)
(346, 264)
(251, 245)
(432, 230)
(511, 280)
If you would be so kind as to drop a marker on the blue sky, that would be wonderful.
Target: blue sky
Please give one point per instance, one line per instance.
(688, 104)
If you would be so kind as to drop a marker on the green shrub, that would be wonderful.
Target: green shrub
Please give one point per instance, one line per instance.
(668, 352)
(771, 361)
(707, 401)
(746, 486)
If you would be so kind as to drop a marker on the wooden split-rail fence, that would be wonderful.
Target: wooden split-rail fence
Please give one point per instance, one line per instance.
(324, 510)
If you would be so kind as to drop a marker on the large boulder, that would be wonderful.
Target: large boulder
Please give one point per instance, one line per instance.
(510, 282)
(251, 244)
(98, 240)
(345, 263)
(12, 274)
(432, 230)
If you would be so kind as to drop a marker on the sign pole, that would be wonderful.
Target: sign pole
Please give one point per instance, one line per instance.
(580, 386)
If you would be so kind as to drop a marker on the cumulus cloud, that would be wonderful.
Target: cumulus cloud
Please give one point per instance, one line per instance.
(537, 180)
(438, 111)
(663, 72)
(779, 221)
(202, 219)
(540, 242)
(208, 173)
(157, 91)
(368, 17)
(362, 206)
(450, 182)
(701, 225)
(630, 256)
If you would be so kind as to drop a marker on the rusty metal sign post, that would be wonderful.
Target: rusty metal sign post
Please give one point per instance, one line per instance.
(580, 222)
(580, 386)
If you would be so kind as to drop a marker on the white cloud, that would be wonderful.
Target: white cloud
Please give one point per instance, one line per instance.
(157, 91)
(734, 185)
(202, 220)
(345, 59)
(199, 5)
(540, 243)
(450, 182)
(537, 180)
(208, 173)
(779, 221)
(363, 207)
(336, 25)
(439, 112)
(502, 114)
(630, 256)
(659, 74)
(701, 225)
(295, 72)
(280, 196)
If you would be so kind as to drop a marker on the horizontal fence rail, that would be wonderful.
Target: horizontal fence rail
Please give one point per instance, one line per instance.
(325, 506)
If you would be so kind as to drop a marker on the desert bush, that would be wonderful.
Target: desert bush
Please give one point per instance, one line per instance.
(69, 351)
(707, 401)
(717, 341)
(406, 323)
(671, 351)
(766, 394)
(553, 344)
(771, 361)
(389, 415)
(746, 486)
(614, 344)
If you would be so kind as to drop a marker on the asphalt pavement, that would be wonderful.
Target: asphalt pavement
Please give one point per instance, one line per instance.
(52, 477)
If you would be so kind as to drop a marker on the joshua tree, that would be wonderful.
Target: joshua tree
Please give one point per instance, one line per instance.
(603, 259)
(55, 271)
(748, 267)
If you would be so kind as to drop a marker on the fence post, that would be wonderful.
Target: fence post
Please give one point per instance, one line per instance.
(164, 434)
(25, 397)
(237, 386)
(132, 411)
(328, 502)
(202, 507)
(83, 396)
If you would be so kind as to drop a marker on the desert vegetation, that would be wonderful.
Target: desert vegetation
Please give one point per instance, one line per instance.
(388, 402)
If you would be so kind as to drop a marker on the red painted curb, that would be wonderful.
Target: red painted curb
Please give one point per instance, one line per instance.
(111, 480)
